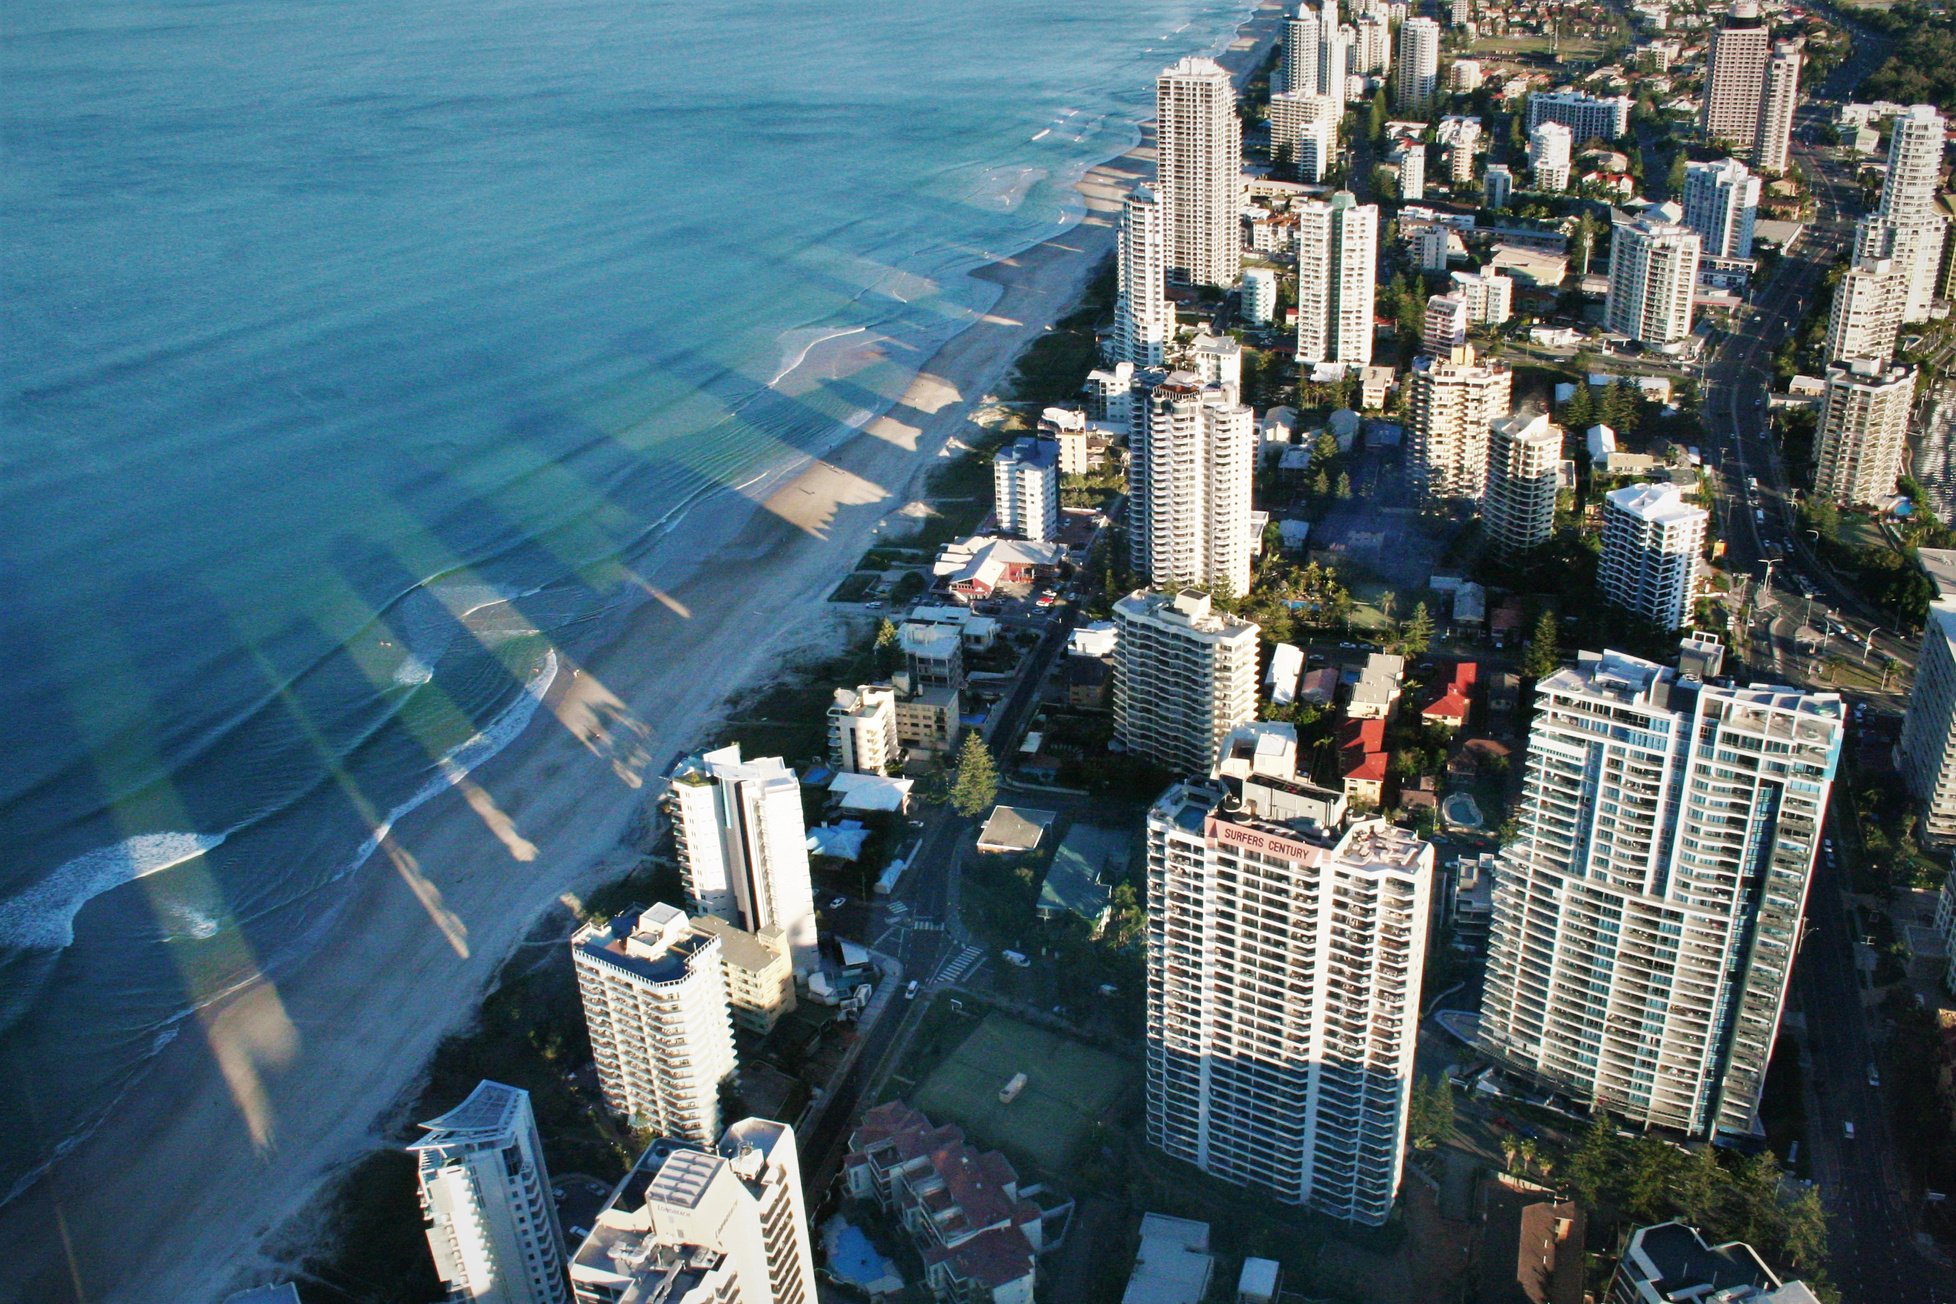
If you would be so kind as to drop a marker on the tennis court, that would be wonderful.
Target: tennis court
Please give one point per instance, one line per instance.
(1068, 1087)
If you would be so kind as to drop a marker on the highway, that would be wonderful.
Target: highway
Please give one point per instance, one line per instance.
(1874, 1251)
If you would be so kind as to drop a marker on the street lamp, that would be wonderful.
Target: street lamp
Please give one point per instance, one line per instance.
(1869, 645)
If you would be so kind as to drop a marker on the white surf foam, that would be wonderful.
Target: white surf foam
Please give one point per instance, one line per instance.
(42, 918)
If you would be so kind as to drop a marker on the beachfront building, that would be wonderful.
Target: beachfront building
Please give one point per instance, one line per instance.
(485, 1194)
(1200, 173)
(1549, 150)
(1721, 203)
(1184, 675)
(1907, 226)
(1653, 274)
(1283, 997)
(1863, 431)
(1647, 911)
(743, 845)
(1025, 490)
(1143, 319)
(1417, 76)
(863, 730)
(759, 971)
(1489, 296)
(1337, 267)
(702, 1223)
(1302, 35)
(1451, 404)
(1524, 461)
(1927, 753)
(1444, 328)
(1201, 452)
(655, 1000)
(1866, 317)
(1651, 542)
(1588, 117)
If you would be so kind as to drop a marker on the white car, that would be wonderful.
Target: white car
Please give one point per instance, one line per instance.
(910, 992)
(838, 902)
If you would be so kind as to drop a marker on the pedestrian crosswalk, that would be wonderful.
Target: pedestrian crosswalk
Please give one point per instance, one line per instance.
(960, 964)
(926, 925)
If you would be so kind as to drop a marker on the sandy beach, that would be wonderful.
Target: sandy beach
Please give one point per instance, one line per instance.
(244, 1118)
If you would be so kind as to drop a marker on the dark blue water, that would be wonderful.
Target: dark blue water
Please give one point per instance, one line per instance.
(349, 350)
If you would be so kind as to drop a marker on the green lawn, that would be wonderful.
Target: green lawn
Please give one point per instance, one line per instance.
(1069, 1087)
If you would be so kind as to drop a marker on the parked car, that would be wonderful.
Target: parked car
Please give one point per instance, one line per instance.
(837, 903)
(910, 992)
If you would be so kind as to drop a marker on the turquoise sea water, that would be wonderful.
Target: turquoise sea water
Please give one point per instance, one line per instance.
(346, 343)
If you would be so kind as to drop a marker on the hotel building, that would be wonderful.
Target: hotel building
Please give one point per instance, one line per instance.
(492, 1226)
(1184, 675)
(743, 845)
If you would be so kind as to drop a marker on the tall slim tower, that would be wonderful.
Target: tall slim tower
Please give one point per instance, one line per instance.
(1524, 459)
(1452, 403)
(743, 846)
(1201, 451)
(1200, 178)
(1905, 226)
(1735, 76)
(485, 1192)
(1300, 65)
(1025, 489)
(1417, 75)
(1646, 914)
(1653, 273)
(1337, 260)
(699, 1222)
(1778, 99)
(1283, 997)
(1143, 319)
(655, 1000)
(1863, 431)
(1927, 753)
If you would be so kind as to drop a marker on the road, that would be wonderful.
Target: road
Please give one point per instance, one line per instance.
(1874, 1254)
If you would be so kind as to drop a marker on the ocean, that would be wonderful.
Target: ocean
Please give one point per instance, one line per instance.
(350, 348)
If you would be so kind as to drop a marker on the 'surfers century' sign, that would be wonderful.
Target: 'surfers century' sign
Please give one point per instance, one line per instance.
(1269, 844)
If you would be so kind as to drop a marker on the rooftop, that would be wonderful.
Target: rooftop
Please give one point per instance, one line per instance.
(1658, 503)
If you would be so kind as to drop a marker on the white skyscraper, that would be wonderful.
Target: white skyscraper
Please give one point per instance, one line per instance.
(1452, 403)
(1863, 431)
(699, 1224)
(1653, 273)
(1372, 45)
(1778, 100)
(1283, 998)
(1334, 57)
(1927, 754)
(1444, 327)
(1721, 202)
(1337, 260)
(1417, 75)
(1735, 77)
(655, 1000)
(863, 731)
(1143, 319)
(1646, 914)
(1200, 174)
(1184, 676)
(1524, 458)
(1651, 542)
(1025, 489)
(1459, 136)
(1300, 57)
(1548, 156)
(743, 846)
(1201, 450)
(485, 1193)
(1866, 317)
(1906, 226)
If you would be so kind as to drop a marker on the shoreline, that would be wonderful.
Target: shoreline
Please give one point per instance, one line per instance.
(239, 1127)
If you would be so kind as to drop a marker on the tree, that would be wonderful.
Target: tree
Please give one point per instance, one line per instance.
(1325, 449)
(1579, 413)
(1593, 1166)
(1321, 484)
(1585, 242)
(887, 651)
(976, 786)
(1343, 489)
(1542, 656)
(1416, 635)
